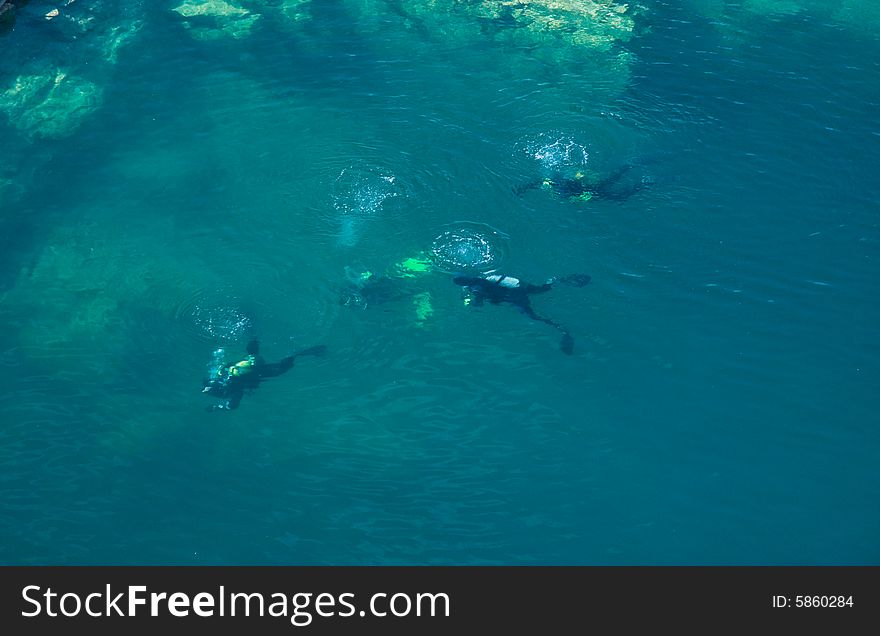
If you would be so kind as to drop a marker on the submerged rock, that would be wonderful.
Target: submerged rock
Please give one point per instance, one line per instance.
(596, 24)
(216, 19)
(117, 37)
(88, 287)
(296, 10)
(530, 36)
(49, 105)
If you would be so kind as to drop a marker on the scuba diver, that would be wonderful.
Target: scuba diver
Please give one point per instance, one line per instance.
(497, 289)
(366, 289)
(614, 187)
(229, 380)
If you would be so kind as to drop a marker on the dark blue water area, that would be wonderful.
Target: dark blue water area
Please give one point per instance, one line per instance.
(719, 406)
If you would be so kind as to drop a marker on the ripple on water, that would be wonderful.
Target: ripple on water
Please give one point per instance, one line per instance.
(360, 193)
(214, 315)
(555, 152)
(469, 247)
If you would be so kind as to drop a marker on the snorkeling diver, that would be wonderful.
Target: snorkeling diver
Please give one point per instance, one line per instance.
(497, 289)
(578, 188)
(229, 380)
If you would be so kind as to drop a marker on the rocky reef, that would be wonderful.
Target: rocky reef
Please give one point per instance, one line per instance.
(594, 24)
(57, 63)
(220, 19)
(577, 24)
(84, 288)
(216, 19)
(531, 38)
(50, 103)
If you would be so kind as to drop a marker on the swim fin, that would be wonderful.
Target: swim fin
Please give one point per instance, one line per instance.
(566, 345)
(317, 350)
(575, 280)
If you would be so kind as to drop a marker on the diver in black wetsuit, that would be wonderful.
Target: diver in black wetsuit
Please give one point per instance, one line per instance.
(613, 187)
(498, 289)
(229, 380)
(366, 289)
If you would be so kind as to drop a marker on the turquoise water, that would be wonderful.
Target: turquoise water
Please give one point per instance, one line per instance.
(719, 407)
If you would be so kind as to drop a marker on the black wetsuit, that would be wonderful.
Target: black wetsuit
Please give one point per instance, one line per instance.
(505, 289)
(373, 290)
(613, 187)
(230, 389)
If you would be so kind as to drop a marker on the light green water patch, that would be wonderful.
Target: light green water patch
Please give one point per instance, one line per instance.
(248, 201)
(777, 7)
(859, 14)
(148, 169)
(9, 191)
(862, 15)
(90, 279)
(737, 21)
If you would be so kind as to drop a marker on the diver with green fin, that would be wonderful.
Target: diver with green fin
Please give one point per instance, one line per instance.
(578, 187)
(367, 288)
(229, 380)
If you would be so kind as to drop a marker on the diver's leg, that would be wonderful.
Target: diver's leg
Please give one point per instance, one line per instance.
(525, 187)
(614, 177)
(317, 350)
(575, 280)
(528, 311)
(566, 344)
(606, 188)
(537, 289)
(273, 369)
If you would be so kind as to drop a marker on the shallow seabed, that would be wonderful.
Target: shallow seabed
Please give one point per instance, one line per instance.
(176, 175)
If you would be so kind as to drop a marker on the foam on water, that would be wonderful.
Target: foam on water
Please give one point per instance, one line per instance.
(469, 247)
(359, 194)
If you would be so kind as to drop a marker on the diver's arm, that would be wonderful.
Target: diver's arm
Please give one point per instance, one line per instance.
(234, 399)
